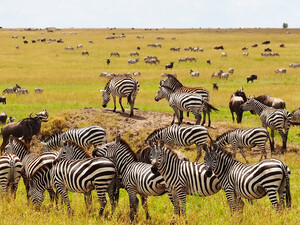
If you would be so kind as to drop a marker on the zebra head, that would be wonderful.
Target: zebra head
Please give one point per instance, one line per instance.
(107, 150)
(249, 105)
(156, 154)
(36, 196)
(163, 92)
(210, 158)
(106, 97)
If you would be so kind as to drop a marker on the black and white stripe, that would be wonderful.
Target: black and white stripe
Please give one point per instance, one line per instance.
(136, 177)
(241, 138)
(182, 136)
(122, 87)
(182, 177)
(275, 119)
(238, 180)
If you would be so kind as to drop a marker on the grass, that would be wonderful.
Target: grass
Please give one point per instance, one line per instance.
(71, 81)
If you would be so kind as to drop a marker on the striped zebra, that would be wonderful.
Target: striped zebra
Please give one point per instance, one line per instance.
(10, 174)
(80, 176)
(275, 119)
(182, 177)
(122, 87)
(240, 138)
(136, 177)
(86, 137)
(183, 102)
(31, 161)
(182, 136)
(173, 83)
(253, 181)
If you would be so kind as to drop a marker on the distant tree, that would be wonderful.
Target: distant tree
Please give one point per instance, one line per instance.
(285, 25)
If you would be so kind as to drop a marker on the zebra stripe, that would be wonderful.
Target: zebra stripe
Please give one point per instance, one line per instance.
(122, 87)
(182, 177)
(240, 138)
(183, 136)
(254, 181)
(136, 177)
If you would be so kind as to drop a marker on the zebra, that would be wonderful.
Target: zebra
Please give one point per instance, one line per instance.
(173, 83)
(240, 138)
(275, 119)
(80, 176)
(183, 102)
(31, 161)
(252, 181)
(136, 177)
(183, 136)
(182, 177)
(10, 173)
(121, 87)
(86, 136)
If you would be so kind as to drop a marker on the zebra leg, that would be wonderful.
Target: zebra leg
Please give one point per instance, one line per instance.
(133, 203)
(100, 189)
(284, 139)
(52, 195)
(120, 102)
(273, 198)
(244, 155)
(145, 206)
(240, 203)
(64, 194)
(204, 118)
(181, 115)
(263, 152)
(199, 152)
(198, 117)
(115, 107)
(113, 193)
(173, 198)
(182, 203)
(231, 198)
(88, 200)
(272, 138)
(177, 115)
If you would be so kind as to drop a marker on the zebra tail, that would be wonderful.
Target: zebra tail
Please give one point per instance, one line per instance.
(210, 107)
(271, 143)
(294, 123)
(135, 87)
(288, 197)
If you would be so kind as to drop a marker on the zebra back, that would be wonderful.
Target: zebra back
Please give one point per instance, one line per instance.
(53, 142)
(71, 150)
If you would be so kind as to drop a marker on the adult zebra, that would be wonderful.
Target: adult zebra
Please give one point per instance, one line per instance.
(182, 177)
(240, 138)
(31, 161)
(122, 87)
(136, 177)
(183, 136)
(253, 181)
(183, 102)
(275, 119)
(173, 83)
(86, 136)
(10, 174)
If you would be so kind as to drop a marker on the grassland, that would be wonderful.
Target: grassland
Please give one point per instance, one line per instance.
(71, 81)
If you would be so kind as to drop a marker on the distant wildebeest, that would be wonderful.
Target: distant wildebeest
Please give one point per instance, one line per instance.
(252, 78)
(219, 47)
(268, 50)
(133, 61)
(3, 117)
(208, 62)
(11, 90)
(196, 73)
(215, 86)
(254, 45)
(91, 42)
(38, 90)
(218, 75)
(231, 70)
(276, 103)
(25, 42)
(3, 100)
(236, 100)
(224, 76)
(138, 48)
(282, 70)
(169, 66)
(224, 54)
(115, 54)
(134, 54)
(294, 65)
(25, 128)
(22, 91)
(60, 41)
(17, 47)
(296, 115)
(266, 42)
(245, 53)
(11, 119)
(244, 48)
(107, 61)
(79, 46)
(69, 48)
(33, 41)
(281, 46)
(84, 52)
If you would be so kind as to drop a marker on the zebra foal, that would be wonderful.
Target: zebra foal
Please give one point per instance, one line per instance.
(238, 180)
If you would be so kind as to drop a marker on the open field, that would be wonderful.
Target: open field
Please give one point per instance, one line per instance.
(71, 81)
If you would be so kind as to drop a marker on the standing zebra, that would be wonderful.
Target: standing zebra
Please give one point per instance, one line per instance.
(136, 177)
(183, 102)
(182, 177)
(253, 181)
(240, 138)
(86, 136)
(173, 83)
(122, 87)
(275, 119)
(183, 136)
(10, 173)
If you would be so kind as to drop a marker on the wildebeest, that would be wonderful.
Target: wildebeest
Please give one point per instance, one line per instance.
(219, 47)
(276, 103)
(25, 128)
(25, 42)
(69, 48)
(107, 61)
(208, 62)
(281, 46)
(236, 100)
(294, 65)
(196, 73)
(3, 117)
(218, 75)
(252, 78)
(266, 42)
(254, 45)
(224, 54)
(215, 86)
(85, 52)
(11, 90)
(296, 115)
(38, 90)
(244, 48)
(3, 100)
(268, 50)
(169, 66)
(21, 91)
(79, 46)
(282, 70)
(231, 70)
(133, 61)
(115, 54)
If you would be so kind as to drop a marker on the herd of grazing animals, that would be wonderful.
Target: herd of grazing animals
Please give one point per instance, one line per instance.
(115, 165)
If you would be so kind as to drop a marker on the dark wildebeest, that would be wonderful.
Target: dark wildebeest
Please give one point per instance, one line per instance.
(281, 46)
(208, 62)
(266, 42)
(25, 128)
(268, 50)
(219, 47)
(38, 90)
(254, 45)
(84, 52)
(276, 103)
(11, 90)
(296, 117)
(3, 117)
(169, 66)
(3, 99)
(107, 61)
(252, 78)
(236, 100)
(25, 42)
(215, 86)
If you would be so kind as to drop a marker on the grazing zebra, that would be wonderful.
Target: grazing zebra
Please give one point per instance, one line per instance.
(86, 136)
(136, 177)
(31, 161)
(10, 173)
(240, 138)
(182, 177)
(183, 102)
(173, 83)
(253, 181)
(121, 87)
(183, 136)
(275, 119)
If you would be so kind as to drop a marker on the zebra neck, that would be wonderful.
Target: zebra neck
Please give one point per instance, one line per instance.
(259, 107)
(124, 160)
(224, 166)
(169, 164)
(21, 152)
(222, 140)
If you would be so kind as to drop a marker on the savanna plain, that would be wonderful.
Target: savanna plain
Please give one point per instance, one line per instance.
(71, 84)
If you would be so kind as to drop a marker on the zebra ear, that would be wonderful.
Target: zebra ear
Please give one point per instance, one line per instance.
(118, 138)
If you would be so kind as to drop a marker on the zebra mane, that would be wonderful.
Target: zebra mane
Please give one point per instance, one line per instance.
(174, 78)
(53, 136)
(222, 150)
(224, 134)
(22, 143)
(172, 151)
(106, 86)
(124, 143)
(155, 132)
(85, 150)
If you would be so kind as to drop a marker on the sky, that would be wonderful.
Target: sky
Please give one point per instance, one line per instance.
(149, 13)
